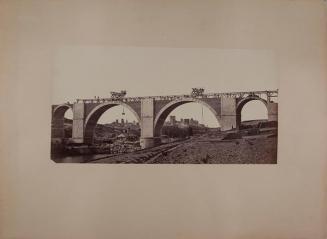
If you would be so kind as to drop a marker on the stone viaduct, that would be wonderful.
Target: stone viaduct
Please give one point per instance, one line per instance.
(152, 111)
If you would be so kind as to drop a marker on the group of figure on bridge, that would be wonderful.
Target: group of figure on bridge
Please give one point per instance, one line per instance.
(197, 92)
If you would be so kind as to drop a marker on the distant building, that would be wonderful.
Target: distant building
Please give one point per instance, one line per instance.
(186, 121)
(172, 119)
(194, 122)
(183, 123)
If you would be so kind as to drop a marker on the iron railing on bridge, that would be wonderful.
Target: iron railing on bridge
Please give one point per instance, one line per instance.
(268, 94)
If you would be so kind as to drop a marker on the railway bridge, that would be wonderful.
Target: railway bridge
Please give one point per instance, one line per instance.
(152, 111)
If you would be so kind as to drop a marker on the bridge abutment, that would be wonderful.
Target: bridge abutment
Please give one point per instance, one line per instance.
(272, 111)
(58, 130)
(58, 122)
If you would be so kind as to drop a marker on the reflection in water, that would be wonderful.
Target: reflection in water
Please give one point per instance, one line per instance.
(78, 158)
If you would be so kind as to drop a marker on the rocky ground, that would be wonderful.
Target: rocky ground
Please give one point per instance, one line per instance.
(240, 151)
(259, 149)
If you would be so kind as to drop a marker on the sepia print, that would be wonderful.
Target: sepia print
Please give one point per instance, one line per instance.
(146, 130)
(163, 119)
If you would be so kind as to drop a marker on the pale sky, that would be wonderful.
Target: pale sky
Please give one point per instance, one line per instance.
(88, 71)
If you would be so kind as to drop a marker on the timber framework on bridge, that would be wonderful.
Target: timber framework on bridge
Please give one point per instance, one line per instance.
(152, 111)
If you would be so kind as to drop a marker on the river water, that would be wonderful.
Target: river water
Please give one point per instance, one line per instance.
(78, 158)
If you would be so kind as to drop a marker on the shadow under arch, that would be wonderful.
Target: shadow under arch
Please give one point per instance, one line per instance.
(242, 103)
(60, 110)
(162, 115)
(93, 117)
(58, 120)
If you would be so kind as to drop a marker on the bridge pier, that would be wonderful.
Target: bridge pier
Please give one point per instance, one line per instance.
(228, 118)
(78, 123)
(148, 142)
(147, 124)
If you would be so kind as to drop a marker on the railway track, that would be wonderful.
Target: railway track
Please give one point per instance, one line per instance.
(164, 152)
(151, 155)
(146, 156)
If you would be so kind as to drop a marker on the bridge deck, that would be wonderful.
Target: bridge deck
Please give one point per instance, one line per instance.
(268, 93)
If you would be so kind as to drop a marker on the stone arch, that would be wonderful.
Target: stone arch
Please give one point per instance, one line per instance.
(93, 117)
(242, 103)
(58, 119)
(162, 115)
(60, 110)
